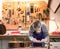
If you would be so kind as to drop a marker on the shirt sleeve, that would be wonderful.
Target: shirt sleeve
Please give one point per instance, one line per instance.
(31, 30)
(44, 29)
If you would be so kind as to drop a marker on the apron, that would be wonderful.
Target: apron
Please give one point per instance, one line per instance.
(38, 36)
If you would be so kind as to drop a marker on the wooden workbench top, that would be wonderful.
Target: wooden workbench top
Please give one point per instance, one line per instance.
(54, 36)
(33, 48)
(25, 36)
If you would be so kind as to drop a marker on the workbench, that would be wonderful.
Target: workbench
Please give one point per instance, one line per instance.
(15, 37)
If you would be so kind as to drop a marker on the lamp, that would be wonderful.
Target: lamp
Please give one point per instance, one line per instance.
(53, 25)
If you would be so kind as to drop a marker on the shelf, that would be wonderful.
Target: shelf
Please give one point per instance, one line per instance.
(54, 36)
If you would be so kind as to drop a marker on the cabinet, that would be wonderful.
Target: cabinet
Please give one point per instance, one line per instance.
(55, 42)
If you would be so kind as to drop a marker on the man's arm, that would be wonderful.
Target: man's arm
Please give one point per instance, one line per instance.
(45, 31)
(45, 40)
(34, 40)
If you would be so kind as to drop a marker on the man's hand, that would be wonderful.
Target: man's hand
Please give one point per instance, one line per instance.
(44, 40)
(35, 40)
(38, 41)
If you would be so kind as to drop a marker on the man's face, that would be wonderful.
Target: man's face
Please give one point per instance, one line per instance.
(38, 29)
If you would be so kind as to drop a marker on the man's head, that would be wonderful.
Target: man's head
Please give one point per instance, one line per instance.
(37, 26)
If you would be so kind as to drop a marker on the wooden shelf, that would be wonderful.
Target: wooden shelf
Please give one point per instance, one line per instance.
(54, 36)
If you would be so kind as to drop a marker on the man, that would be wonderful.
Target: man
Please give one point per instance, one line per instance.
(38, 34)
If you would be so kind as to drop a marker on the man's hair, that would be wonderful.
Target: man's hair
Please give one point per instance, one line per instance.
(37, 24)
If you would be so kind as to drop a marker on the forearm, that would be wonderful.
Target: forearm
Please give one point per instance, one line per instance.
(45, 40)
(38, 41)
(34, 40)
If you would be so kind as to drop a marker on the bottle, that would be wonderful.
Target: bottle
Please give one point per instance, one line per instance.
(19, 28)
